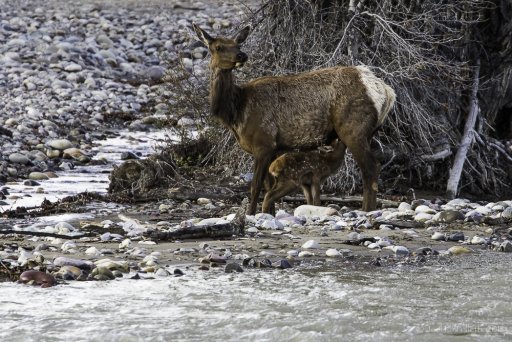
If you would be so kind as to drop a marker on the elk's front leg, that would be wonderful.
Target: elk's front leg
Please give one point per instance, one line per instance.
(261, 165)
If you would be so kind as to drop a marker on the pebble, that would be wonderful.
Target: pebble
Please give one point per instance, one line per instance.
(506, 246)
(438, 236)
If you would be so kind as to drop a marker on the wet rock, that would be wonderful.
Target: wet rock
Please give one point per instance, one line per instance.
(233, 267)
(38, 176)
(102, 273)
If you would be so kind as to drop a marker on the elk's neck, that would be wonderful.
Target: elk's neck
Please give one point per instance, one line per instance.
(225, 96)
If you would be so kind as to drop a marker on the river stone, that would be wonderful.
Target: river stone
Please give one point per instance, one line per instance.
(311, 244)
(69, 273)
(306, 254)
(332, 252)
(82, 264)
(399, 250)
(507, 213)
(73, 67)
(424, 209)
(457, 250)
(18, 158)
(92, 251)
(448, 216)
(307, 210)
(272, 224)
(478, 240)
(438, 236)
(404, 206)
(422, 217)
(282, 264)
(457, 236)
(102, 273)
(161, 272)
(38, 176)
(60, 144)
(233, 267)
(506, 246)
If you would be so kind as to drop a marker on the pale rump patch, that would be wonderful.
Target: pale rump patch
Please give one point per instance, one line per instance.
(382, 96)
(375, 187)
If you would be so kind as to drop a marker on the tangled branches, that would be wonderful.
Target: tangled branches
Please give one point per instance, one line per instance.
(423, 49)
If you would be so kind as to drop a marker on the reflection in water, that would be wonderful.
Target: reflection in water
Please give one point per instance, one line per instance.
(467, 299)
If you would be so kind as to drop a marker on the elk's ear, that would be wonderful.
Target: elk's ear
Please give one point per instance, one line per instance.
(242, 35)
(202, 35)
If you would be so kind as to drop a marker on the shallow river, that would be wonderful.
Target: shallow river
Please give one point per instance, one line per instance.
(466, 300)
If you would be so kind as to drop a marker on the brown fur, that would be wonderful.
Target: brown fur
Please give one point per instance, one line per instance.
(275, 113)
(307, 170)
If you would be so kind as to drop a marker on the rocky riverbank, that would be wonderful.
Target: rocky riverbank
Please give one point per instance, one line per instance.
(76, 72)
(125, 245)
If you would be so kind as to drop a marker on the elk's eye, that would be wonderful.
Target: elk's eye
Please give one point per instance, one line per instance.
(218, 48)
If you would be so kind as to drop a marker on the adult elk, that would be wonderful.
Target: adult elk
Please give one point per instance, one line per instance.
(304, 169)
(306, 110)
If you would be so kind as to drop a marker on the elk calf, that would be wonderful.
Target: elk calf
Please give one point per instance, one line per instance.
(305, 169)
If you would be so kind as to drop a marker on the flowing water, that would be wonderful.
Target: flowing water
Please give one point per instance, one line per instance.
(467, 299)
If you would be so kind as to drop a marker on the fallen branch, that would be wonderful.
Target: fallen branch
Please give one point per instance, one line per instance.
(46, 234)
(215, 231)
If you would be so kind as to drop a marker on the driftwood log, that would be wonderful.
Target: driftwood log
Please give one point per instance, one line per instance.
(215, 231)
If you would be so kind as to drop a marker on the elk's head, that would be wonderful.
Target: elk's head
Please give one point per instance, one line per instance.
(225, 52)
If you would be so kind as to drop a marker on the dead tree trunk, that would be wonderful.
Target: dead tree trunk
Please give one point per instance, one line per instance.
(467, 137)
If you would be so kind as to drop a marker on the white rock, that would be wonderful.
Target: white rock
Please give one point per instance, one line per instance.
(125, 243)
(311, 244)
(293, 253)
(92, 251)
(73, 67)
(399, 250)
(424, 209)
(332, 252)
(438, 236)
(305, 254)
(203, 201)
(422, 217)
(60, 144)
(373, 245)
(272, 224)
(64, 227)
(68, 245)
(477, 240)
(404, 206)
(307, 210)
